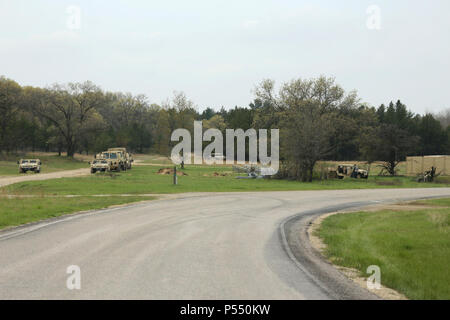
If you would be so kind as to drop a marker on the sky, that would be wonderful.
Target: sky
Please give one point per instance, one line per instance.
(218, 51)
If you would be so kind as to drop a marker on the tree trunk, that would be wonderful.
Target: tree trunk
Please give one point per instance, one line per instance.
(304, 173)
(70, 149)
(310, 173)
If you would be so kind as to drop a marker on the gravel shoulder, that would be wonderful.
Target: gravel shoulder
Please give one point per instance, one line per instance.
(336, 285)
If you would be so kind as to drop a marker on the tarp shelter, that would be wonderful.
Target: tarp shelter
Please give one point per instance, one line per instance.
(417, 165)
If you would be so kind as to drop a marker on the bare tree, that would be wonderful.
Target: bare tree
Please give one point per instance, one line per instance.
(444, 118)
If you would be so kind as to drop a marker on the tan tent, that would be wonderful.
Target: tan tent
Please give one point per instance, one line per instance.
(417, 165)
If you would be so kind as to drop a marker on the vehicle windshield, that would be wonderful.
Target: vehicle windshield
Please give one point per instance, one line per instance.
(24, 161)
(110, 155)
(32, 161)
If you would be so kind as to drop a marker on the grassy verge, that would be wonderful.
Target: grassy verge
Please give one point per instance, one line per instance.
(145, 179)
(152, 159)
(412, 248)
(9, 166)
(17, 211)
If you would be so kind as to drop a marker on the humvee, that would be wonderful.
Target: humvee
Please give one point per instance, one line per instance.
(101, 165)
(115, 158)
(347, 170)
(29, 165)
(128, 157)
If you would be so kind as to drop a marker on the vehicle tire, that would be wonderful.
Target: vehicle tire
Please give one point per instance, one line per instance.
(37, 171)
(92, 170)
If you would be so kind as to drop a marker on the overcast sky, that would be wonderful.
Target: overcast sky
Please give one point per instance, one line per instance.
(217, 51)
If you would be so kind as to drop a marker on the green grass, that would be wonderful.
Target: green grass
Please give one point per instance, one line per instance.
(9, 166)
(17, 211)
(144, 179)
(154, 159)
(412, 248)
(445, 202)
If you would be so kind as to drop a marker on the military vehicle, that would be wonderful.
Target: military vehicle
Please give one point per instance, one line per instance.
(29, 165)
(347, 170)
(116, 160)
(100, 165)
(427, 176)
(128, 157)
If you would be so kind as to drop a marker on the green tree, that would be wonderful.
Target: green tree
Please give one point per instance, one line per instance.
(433, 137)
(239, 118)
(207, 114)
(306, 112)
(69, 108)
(392, 146)
(10, 100)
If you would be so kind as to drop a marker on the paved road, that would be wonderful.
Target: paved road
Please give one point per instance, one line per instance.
(220, 246)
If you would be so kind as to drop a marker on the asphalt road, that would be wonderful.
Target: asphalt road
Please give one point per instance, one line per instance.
(218, 246)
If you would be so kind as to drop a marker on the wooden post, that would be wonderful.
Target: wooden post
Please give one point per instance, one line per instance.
(175, 175)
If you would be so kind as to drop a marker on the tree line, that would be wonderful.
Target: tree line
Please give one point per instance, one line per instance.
(317, 119)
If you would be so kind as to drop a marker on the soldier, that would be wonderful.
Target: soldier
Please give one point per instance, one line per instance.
(355, 171)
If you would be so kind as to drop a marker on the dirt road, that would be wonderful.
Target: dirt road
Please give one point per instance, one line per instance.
(4, 181)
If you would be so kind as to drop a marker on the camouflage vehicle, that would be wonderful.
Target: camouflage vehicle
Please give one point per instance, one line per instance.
(29, 165)
(100, 165)
(128, 157)
(116, 160)
(347, 170)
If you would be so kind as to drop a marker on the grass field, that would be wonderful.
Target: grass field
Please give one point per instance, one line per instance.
(50, 163)
(412, 248)
(15, 212)
(152, 159)
(144, 179)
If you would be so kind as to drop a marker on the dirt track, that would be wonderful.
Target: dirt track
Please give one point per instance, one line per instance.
(4, 181)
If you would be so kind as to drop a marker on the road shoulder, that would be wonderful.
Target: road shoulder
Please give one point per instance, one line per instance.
(319, 246)
(296, 242)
